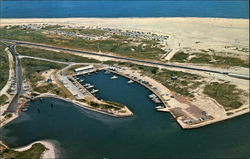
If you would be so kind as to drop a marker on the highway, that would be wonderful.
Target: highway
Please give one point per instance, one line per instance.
(113, 57)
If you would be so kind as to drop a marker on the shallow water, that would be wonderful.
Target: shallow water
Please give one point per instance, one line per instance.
(86, 134)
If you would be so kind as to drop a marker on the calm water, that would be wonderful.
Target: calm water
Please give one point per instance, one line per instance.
(85, 134)
(188, 8)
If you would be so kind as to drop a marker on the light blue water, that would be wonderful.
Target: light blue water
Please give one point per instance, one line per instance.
(188, 8)
(148, 134)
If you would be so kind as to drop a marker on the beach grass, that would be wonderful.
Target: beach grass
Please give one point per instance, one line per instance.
(213, 58)
(4, 67)
(225, 94)
(34, 152)
(117, 44)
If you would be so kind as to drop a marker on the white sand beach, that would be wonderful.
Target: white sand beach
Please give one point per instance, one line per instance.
(189, 32)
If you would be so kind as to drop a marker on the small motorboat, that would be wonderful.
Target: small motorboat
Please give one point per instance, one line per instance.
(130, 81)
(114, 77)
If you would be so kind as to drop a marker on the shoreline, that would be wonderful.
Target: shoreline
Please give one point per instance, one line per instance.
(50, 152)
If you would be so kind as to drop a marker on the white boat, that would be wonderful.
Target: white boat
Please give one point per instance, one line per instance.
(152, 96)
(156, 100)
(87, 84)
(90, 86)
(130, 81)
(114, 77)
(159, 107)
(107, 72)
(24, 110)
(81, 80)
(94, 90)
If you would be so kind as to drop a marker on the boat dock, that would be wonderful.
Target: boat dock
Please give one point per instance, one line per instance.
(81, 87)
(144, 83)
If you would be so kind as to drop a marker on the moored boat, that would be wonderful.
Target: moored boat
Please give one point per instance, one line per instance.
(114, 77)
(94, 90)
(130, 81)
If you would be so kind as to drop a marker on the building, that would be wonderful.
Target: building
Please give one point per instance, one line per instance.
(86, 68)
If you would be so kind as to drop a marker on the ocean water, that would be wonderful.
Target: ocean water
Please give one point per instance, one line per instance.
(111, 9)
(148, 134)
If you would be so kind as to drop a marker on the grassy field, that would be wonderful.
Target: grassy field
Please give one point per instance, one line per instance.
(3, 99)
(33, 153)
(205, 58)
(184, 84)
(58, 56)
(4, 67)
(225, 94)
(34, 68)
(59, 90)
(120, 45)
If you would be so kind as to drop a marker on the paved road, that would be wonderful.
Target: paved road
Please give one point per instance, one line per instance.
(114, 57)
(19, 81)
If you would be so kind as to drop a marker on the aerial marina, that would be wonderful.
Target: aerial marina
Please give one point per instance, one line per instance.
(148, 80)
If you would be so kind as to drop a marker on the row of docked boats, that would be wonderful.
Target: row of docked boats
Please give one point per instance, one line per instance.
(24, 108)
(89, 86)
(160, 107)
(154, 98)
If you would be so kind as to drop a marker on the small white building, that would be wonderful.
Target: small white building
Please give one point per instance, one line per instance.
(84, 68)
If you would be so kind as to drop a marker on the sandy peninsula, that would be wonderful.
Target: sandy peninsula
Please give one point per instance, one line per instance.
(51, 151)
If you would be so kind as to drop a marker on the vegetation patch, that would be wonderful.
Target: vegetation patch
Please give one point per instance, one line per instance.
(34, 68)
(4, 67)
(34, 152)
(120, 45)
(180, 57)
(106, 105)
(205, 58)
(59, 90)
(225, 94)
(3, 99)
(58, 56)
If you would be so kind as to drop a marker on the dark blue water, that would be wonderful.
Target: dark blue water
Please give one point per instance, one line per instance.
(148, 134)
(107, 9)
